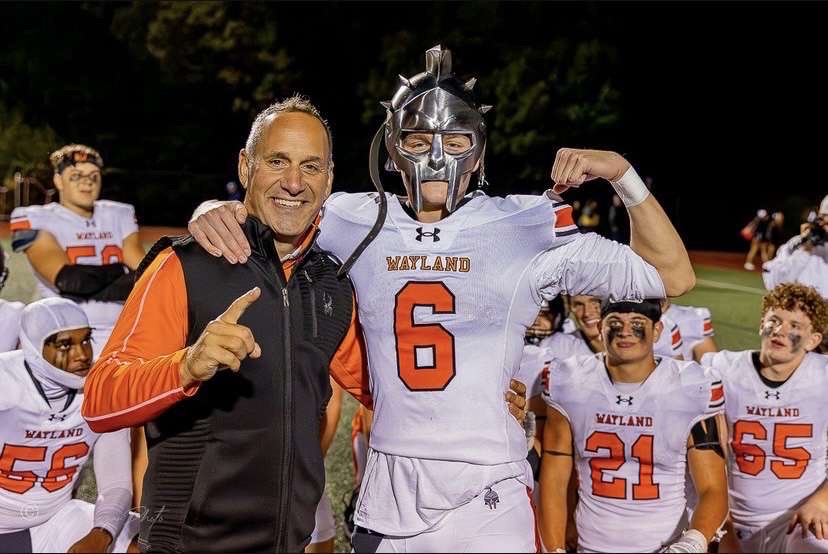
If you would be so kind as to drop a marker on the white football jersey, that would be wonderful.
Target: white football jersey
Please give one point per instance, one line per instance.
(89, 241)
(445, 307)
(670, 343)
(42, 447)
(563, 345)
(778, 435)
(534, 364)
(694, 323)
(630, 447)
(9, 324)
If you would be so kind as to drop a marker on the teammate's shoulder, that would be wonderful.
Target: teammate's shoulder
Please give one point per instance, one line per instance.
(701, 386)
(357, 207)
(114, 206)
(575, 368)
(33, 217)
(12, 370)
(724, 359)
(817, 361)
(691, 373)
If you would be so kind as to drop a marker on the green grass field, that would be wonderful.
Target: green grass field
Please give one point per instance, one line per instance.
(734, 298)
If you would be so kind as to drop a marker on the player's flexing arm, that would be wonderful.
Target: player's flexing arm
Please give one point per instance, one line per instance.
(556, 471)
(652, 235)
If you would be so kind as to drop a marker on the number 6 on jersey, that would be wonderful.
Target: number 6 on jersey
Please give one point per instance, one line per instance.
(425, 351)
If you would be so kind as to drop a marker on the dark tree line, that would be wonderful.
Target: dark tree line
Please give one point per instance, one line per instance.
(167, 90)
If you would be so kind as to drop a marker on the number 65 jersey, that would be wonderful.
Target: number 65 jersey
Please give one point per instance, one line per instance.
(631, 448)
(777, 454)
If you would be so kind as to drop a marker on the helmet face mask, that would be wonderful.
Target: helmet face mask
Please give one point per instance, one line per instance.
(437, 103)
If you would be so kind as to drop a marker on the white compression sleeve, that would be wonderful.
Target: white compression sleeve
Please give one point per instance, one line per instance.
(112, 461)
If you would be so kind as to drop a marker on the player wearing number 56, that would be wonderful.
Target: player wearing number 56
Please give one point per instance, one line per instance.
(44, 442)
(81, 248)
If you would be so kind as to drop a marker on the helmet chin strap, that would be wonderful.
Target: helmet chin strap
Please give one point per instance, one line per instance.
(373, 169)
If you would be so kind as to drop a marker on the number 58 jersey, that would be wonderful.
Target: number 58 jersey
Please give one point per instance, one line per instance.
(778, 435)
(445, 306)
(631, 447)
(97, 240)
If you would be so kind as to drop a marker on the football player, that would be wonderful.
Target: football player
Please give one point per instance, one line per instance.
(44, 441)
(586, 339)
(9, 311)
(695, 326)
(445, 292)
(628, 422)
(81, 248)
(778, 427)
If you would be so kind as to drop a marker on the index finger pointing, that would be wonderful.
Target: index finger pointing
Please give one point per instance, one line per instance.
(234, 312)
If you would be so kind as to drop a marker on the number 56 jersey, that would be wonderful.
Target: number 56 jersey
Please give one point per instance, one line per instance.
(631, 447)
(445, 306)
(778, 435)
(41, 448)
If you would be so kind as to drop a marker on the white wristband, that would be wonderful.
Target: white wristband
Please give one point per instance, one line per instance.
(630, 188)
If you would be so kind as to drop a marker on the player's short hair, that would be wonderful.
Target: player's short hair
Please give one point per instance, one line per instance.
(72, 154)
(295, 103)
(793, 296)
(649, 308)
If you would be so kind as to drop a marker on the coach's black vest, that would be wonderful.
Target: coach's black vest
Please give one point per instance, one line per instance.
(238, 466)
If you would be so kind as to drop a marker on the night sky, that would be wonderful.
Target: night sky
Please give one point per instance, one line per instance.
(721, 104)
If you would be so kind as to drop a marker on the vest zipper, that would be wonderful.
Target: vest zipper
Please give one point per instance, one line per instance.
(287, 435)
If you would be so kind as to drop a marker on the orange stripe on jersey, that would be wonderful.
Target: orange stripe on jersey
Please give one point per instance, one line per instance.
(716, 394)
(707, 327)
(136, 377)
(563, 217)
(676, 336)
(19, 225)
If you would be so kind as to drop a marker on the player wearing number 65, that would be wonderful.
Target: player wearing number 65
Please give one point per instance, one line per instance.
(445, 294)
(81, 248)
(778, 426)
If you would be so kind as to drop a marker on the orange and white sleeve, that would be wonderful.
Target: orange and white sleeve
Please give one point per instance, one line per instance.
(349, 366)
(137, 377)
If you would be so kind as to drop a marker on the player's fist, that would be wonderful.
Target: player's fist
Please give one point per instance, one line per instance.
(224, 344)
(216, 227)
(573, 167)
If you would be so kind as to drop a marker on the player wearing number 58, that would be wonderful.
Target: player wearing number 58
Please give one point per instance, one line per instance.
(81, 248)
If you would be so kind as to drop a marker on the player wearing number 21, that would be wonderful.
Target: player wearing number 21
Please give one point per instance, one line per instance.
(81, 248)
(631, 423)
(445, 293)
(778, 426)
